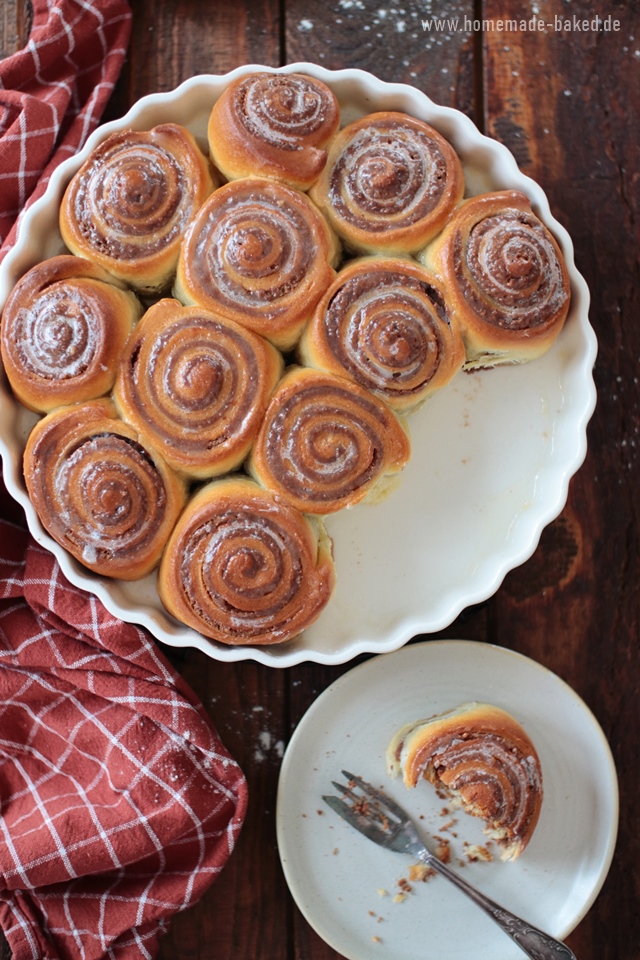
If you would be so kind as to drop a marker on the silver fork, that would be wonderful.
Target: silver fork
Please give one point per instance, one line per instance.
(382, 820)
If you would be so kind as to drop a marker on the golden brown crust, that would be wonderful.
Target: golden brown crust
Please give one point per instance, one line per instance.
(258, 253)
(244, 568)
(273, 125)
(64, 327)
(129, 204)
(484, 757)
(99, 492)
(389, 184)
(506, 278)
(325, 442)
(196, 386)
(384, 323)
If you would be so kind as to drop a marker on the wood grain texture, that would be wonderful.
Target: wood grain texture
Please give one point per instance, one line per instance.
(15, 24)
(562, 102)
(558, 99)
(248, 705)
(398, 43)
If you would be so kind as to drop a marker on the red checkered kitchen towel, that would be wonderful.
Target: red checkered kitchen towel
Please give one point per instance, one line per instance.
(118, 803)
(53, 93)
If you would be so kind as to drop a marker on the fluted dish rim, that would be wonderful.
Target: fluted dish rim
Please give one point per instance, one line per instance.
(352, 625)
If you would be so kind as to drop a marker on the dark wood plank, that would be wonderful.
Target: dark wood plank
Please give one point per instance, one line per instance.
(390, 41)
(247, 703)
(171, 42)
(15, 24)
(558, 100)
(562, 104)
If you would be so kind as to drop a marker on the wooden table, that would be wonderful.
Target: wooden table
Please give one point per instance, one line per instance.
(561, 101)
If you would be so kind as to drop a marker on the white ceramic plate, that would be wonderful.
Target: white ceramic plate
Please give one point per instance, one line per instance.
(493, 453)
(335, 874)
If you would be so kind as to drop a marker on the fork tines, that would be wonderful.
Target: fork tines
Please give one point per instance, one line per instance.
(370, 803)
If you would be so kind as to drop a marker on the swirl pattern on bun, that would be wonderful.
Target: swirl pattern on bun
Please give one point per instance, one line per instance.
(484, 758)
(384, 324)
(258, 253)
(196, 387)
(389, 184)
(506, 278)
(273, 125)
(64, 327)
(243, 567)
(129, 204)
(325, 443)
(106, 498)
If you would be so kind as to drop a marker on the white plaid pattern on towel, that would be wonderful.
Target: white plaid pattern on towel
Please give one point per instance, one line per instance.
(53, 93)
(120, 805)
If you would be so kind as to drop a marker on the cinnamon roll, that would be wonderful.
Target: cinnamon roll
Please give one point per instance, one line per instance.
(483, 757)
(390, 183)
(258, 253)
(507, 283)
(384, 323)
(129, 204)
(325, 443)
(273, 125)
(64, 327)
(106, 498)
(242, 567)
(196, 386)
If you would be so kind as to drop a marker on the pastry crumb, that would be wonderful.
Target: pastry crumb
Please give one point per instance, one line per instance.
(420, 872)
(477, 852)
(443, 850)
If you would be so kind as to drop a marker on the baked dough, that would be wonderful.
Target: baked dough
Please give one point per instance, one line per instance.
(390, 184)
(196, 387)
(243, 567)
(273, 125)
(506, 279)
(484, 758)
(326, 443)
(105, 497)
(260, 254)
(64, 327)
(384, 323)
(129, 204)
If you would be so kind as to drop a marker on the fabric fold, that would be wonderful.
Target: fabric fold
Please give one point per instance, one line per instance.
(120, 805)
(53, 93)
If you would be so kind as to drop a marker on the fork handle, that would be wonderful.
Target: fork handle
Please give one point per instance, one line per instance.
(535, 943)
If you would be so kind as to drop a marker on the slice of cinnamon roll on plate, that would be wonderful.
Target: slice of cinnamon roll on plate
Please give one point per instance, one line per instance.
(506, 279)
(261, 254)
(129, 204)
(196, 386)
(326, 443)
(243, 567)
(384, 323)
(273, 125)
(482, 756)
(389, 184)
(99, 492)
(64, 327)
